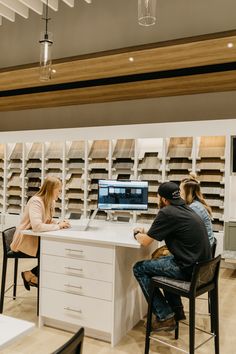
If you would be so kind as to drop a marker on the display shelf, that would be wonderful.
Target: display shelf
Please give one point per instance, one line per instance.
(218, 226)
(180, 147)
(215, 202)
(210, 166)
(74, 180)
(179, 164)
(212, 147)
(123, 168)
(53, 166)
(149, 168)
(80, 164)
(211, 176)
(14, 178)
(146, 219)
(98, 168)
(179, 158)
(33, 166)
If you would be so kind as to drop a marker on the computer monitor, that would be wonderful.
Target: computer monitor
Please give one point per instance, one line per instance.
(122, 195)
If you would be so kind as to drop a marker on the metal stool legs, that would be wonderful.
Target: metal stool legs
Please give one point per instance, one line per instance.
(3, 284)
(15, 278)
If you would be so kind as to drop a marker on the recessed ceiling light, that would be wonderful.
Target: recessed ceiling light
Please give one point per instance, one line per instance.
(230, 45)
(54, 71)
(131, 59)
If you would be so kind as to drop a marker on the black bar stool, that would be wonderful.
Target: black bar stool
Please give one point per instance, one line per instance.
(204, 280)
(74, 345)
(7, 236)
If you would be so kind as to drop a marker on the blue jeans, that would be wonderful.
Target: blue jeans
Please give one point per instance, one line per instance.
(163, 304)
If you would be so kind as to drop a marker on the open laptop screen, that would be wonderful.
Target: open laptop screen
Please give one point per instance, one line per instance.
(122, 195)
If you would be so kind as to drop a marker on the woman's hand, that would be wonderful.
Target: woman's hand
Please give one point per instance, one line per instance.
(64, 224)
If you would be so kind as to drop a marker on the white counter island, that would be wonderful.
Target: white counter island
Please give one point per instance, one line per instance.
(86, 279)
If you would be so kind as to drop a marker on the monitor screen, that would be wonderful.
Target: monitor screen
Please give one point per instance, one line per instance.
(122, 195)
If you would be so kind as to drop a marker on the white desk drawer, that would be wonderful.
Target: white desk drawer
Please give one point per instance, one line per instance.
(78, 286)
(77, 268)
(78, 310)
(81, 250)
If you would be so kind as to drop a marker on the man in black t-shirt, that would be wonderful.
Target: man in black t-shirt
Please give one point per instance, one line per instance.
(186, 238)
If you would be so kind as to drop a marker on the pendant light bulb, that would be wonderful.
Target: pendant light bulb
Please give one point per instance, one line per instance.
(46, 51)
(146, 12)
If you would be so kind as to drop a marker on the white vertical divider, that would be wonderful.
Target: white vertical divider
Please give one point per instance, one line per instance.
(227, 180)
(163, 163)
(110, 159)
(194, 154)
(23, 177)
(64, 155)
(110, 152)
(113, 143)
(43, 163)
(197, 146)
(135, 171)
(86, 153)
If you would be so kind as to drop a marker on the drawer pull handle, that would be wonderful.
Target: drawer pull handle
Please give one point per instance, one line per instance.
(71, 250)
(73, 286)
(72, 310)
(71, 268)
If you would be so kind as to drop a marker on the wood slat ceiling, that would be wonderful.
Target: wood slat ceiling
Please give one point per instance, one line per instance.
(185, 85)
(209, 57)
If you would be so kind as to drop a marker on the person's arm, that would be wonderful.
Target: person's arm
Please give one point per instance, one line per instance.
(142, 238)
(159, 230)
(36, 218)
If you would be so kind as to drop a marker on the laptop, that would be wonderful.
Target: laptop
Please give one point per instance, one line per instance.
(83, 224)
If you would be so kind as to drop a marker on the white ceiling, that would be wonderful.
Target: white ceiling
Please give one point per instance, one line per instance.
(104, 25)
(9, 8)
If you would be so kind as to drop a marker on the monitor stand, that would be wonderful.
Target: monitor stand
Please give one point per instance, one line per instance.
(94, 213)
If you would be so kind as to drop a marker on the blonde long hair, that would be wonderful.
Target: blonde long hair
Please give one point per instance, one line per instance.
(192, 191)
(46, 194)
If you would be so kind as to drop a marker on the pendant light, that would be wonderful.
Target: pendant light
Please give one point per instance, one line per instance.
(46, 50)
(146, 12)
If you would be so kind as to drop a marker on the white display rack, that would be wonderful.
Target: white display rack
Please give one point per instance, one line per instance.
(179, 158)
(98, 168)
(33, 167)
(80, 164)
(74, 179)
(14, 190)
(123, 156)
(54, 157)
(210, 167)
(149, 168)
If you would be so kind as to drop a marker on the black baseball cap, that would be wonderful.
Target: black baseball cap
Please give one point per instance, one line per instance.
(170, 191)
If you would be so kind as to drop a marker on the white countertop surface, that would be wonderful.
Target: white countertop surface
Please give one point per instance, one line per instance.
(99, 231)
(12, 328)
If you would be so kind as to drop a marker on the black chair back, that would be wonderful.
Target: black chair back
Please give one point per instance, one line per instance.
(205, 274)
(7, 236)
(74, 345)
(213, 248)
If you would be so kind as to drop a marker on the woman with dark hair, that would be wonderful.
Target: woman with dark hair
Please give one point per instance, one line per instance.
(190, 191)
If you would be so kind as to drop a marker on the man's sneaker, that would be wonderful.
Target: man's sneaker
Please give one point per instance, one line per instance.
(166, 325)
(179, 314)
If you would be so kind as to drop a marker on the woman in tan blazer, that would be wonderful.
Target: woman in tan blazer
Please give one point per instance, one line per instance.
(38, 217)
